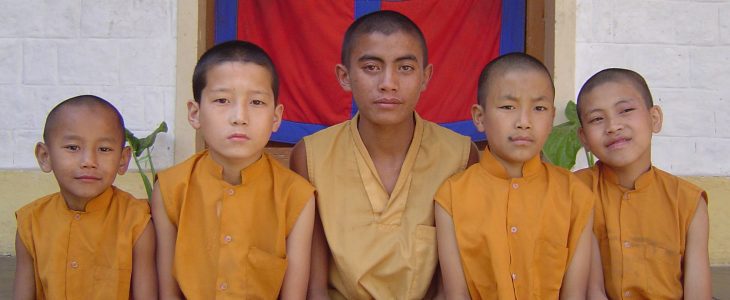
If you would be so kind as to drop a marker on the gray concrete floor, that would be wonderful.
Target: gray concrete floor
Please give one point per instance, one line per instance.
(720, 279)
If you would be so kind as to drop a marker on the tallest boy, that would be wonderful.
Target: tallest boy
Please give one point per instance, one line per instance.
(377, 173)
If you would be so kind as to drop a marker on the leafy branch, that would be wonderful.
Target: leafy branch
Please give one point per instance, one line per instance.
(141, 150)
(563, 144)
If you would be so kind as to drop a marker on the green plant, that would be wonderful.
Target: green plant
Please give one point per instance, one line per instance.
(563, 144)
(142, 155)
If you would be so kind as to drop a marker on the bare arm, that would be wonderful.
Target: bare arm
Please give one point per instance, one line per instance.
(451, 271)
(575, 281)
(298, 252)
(596, 287)
(144, 271)
(166, 234)
(320, 251)
(24, 287)
(697, 282)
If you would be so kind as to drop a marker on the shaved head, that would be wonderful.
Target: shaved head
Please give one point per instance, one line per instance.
(505, 63)
(616, 75)
(57, 113)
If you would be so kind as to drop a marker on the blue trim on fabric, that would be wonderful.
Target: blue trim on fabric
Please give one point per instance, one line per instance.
(466, 128)
(512, 34)
(291, 132)
(363, 7)
(226, 15)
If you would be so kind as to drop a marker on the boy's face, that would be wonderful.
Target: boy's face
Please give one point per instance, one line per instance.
(236, 113)
(84, 151)
(617, 125)
(517, 116)
(386, 76)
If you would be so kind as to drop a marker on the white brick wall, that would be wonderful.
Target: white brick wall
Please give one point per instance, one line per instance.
(682, 48)
(121, 50)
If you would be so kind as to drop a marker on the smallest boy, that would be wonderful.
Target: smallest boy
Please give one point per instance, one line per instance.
(90, 240)
(512, 226)
(651, 227)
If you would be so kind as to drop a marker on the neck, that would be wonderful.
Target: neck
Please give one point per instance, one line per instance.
(232, 168)
(628, 175)
(75, 203)
(388, 140)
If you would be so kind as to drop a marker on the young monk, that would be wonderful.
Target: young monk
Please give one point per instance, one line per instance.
(232, 222)
(512, 226)
(376, 174)
(90, 240)
(651, 226)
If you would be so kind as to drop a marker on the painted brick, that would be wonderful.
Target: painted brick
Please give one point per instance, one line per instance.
(60, 18)
(148, 62)
(686, 113)
(712, 157)
(675, 155)
(40, 62)
(23, 151)
(665, 22)
(10, 61)
(672, 71)
(88, 61)
(122, 18)
(6, 159)
(722, 120)
(594, 21)
(710, 67)
(9, 95)
(725, 24)
(21, 18)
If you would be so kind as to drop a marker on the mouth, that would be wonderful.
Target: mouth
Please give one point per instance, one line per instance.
(87, 178)
(238, 137)
(388, 102)
(618, 143)
(521, 140)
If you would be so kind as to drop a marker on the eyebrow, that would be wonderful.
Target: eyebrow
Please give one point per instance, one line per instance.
(622, 101)
(367, 57)
(75, 137)
(226, 90)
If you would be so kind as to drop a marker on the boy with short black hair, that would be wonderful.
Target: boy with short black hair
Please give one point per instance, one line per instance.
(512, 226)
(231, 221)
(376, 174)
(90, 240)
(651, 226)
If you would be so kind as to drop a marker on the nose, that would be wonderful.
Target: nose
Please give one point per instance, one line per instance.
(614, 125)
(524, 121)
(239, 115)
(389, 80)
(88, 159)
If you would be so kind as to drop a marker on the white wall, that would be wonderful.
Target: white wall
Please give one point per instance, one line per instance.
(121, 50)
(682, 48)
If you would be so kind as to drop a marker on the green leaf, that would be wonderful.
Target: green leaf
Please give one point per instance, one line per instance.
(131, 139)
(571, 112)
(563, 144)
(149, 140)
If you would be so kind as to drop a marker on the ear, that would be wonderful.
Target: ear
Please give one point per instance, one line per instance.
(43, 157)
(194, 114)
(477, 116)
(583, 139)
(343, 77)
(278, 114)
(427, 73)
(124, 160)
(657, 118)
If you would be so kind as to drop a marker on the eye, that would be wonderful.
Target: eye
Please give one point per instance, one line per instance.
(541, 108)
(72, 147)
(371, 68)
(221, 100)
(407, 68)
(595, 120)
(630, 109)
(507, 107)
(106, 149)
(257, 102)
